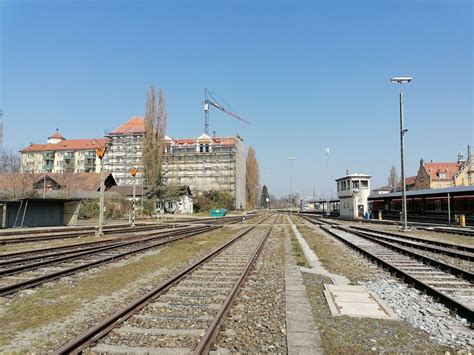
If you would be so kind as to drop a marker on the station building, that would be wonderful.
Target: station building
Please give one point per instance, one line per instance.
(353, 191)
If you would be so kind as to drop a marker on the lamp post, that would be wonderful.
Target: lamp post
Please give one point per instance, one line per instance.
(400, 81)
(328, 212)
(291, 182)
(268, 196)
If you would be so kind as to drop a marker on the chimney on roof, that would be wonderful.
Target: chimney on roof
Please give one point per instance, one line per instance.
(347, 171)
(432, 161)
(469, 153)
(461, 157)
(213, 134)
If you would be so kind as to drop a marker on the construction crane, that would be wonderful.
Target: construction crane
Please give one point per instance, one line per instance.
(210, 100)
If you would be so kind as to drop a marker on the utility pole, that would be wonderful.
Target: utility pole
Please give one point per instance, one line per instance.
(327, 181)
(291, 183)
(133, 171)
(401, 80)
(100, 152)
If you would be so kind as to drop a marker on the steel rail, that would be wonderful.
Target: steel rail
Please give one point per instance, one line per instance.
(93, 334)
(75, 254)
(465, 274)
(6, 290)
(89, 231)
(210, 336)
(449, 302)
(78, 234)
(418, 239)
(408, 243)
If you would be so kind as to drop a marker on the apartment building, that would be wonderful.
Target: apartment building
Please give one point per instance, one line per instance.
(61, 155)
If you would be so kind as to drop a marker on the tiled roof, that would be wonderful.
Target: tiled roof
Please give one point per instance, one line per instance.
(434, 169)
(56, 135)
(410, 180)
(68, 144)
(17, 182)
(134, 125)
(76, 181)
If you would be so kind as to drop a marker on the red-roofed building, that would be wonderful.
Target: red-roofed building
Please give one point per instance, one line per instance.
(435, 175)
(60, 155)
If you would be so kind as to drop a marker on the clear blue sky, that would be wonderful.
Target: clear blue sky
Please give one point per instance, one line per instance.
(308, 75)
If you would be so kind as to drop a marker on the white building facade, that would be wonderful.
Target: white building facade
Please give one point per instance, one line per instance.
(353, 191)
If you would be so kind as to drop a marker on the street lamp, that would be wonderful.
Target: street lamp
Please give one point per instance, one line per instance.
(291, 183)
(328, 212)
(402, 80)
(268, 194)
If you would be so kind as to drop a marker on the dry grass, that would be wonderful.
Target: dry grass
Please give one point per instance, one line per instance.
(58, 301)
(336, 257)
(297, 250)
(351, 335)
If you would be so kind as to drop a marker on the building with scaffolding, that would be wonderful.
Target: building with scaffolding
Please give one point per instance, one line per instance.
(125, 151)
(204, 163)
(207, 164)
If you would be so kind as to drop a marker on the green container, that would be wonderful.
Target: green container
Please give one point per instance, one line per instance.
(215, 212)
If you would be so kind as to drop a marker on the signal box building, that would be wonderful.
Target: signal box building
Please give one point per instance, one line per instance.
(353, 191)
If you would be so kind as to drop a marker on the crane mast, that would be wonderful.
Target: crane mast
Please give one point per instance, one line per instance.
(210, 101)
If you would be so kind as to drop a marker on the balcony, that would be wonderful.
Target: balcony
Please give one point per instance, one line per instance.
(48, 156)
(89, 155)
(68, 156)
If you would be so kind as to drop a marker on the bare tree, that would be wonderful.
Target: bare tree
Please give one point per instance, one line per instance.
(10, 162)
(393, 178)
(156, 119)
(252, 178)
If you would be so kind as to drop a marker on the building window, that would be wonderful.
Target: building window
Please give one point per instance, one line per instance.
(364, 183)
(355, 184)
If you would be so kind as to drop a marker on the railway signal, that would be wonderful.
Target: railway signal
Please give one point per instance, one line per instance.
(100, 152)
(133, 171)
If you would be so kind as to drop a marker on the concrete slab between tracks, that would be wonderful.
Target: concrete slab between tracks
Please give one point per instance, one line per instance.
(316, 267)
(356, 301)
(301, 334)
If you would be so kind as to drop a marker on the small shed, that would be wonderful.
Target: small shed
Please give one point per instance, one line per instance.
(38, 212)
(353, 191)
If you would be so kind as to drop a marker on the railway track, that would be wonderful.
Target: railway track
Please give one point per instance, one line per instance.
(33, 236)
(452, 286)
(455, 250)
(184, 313)
(17, 276)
